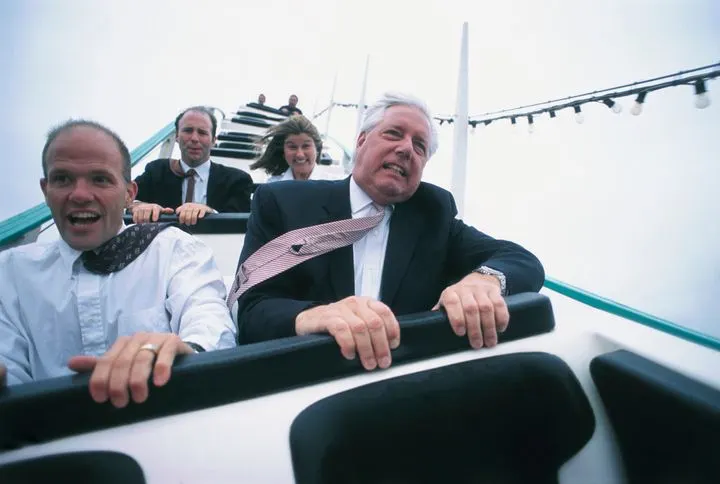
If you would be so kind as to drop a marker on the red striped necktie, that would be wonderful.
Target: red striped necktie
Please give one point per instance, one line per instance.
(297, 246)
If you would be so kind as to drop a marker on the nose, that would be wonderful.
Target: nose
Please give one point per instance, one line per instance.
(404, 147)
(81, 192)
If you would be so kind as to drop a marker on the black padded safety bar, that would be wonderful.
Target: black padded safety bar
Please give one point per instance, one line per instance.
(251, 121)
(267, 109)
(258, 115)
(215, 223)
(58, 407)
(238, 136)
(88, 467)
(667, 425)
(231, 153)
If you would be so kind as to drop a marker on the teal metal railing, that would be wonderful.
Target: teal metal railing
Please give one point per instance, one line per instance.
(14, 227)
(18, 225)
(612, 307)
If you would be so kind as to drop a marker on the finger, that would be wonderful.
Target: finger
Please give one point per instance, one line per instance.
(136, 216)
(502, 314)
(82, 363)
(100, 378)
(377, 333)
(473, 323)
(118, 385)
(487, 318)
(166, 356)
(363, 344)
(450, 300)
(140, 374)
(155, 213)
(340, 330)
(194, 216)
(203, 212)
(392, 327)
(181, 214)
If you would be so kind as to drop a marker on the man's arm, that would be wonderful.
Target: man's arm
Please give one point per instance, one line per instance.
(238, 193)
(469, 249)
(195, 300)
(14, 347)
(268, 310)
(196, 294)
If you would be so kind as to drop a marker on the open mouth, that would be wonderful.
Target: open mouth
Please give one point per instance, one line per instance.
(397, 169)
(83, 218)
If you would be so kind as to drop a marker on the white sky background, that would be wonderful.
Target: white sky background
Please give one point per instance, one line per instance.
(624, 206)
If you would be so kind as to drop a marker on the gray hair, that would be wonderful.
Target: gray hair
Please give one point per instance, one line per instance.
(375, 113)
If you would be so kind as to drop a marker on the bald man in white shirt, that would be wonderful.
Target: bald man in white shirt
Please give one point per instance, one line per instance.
(118, 302)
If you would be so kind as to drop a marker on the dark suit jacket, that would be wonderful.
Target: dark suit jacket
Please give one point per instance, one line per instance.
(228, 188)
(428, 249)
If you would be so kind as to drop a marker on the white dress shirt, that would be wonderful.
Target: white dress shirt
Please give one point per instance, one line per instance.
(52, 308)
(202, 173)
(288, 175)
(368, 252)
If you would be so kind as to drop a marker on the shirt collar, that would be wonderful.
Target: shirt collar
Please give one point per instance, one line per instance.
(203, 171)
(359, 200)
(70, 255)
(288, 174)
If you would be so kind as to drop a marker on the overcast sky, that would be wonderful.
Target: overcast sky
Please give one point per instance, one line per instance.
(621, 205)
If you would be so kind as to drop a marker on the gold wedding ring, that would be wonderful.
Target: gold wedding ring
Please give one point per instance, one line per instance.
(150, 347)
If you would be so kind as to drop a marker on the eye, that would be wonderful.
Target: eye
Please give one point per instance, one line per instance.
(393, 133)
(101, 179)
(59, 179)
(420, 147)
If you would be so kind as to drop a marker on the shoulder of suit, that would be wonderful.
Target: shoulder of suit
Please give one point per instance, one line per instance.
(428, 192)
(230, 170)
(298, 189)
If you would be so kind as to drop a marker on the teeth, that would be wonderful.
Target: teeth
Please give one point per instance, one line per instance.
(83, 215)
(395, 168)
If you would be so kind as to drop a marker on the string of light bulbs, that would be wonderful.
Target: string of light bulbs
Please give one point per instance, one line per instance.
(697, 78)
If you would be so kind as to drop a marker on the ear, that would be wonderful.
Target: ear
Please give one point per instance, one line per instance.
(43, 186)
(131, 193)
(361, 140)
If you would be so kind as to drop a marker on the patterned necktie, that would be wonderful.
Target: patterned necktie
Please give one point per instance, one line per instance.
(296, 246)
(115, 254)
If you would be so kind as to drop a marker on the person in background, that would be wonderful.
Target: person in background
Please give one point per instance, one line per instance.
(346, 257)
(261, 100)
(292, 150)
(117, 302)
(291, 107)
(194, 185)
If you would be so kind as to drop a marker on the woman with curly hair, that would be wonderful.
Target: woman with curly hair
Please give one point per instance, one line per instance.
(292, 151)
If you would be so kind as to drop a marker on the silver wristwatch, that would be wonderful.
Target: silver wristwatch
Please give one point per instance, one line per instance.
(492, 272)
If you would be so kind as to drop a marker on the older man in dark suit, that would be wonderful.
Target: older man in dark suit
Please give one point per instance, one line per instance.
(409, 252)
(193, 185)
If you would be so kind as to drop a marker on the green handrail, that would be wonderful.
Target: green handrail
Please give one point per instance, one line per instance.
(18, 225)
(626, 312)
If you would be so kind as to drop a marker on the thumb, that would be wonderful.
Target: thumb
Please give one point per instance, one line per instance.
(436, 307)
(167, 210)
(82, 364)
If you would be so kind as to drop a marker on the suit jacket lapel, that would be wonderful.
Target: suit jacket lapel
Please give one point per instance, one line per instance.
(212, 190)
(174, 188)
(341, 266)
(406, 225)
